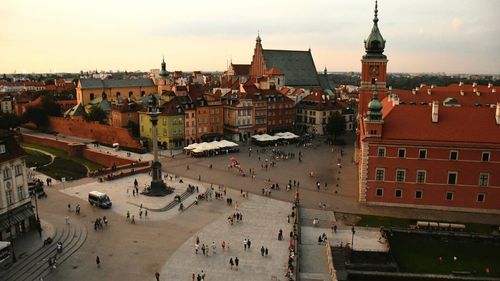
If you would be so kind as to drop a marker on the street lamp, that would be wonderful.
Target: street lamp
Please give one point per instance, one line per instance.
(352, 239)
(38, 225)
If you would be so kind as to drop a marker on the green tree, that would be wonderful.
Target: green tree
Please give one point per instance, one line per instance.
(336, 125)
(9, 121)
(37, 115)
(50, 105)
(96, 114)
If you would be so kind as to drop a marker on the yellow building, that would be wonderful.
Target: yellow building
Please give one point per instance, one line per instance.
(114, 90)
(170, 125)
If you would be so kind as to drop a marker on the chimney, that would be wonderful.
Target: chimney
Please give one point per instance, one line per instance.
(493, 90)
(474, 84)
(462, 92)
(478, 93)
(429, 91)
(490, 85)
(497, 113)
(413, 92)
(461, 83)
(435, 108)
(432, 86)
(390, 88)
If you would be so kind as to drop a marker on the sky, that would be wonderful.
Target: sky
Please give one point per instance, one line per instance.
(452, 36)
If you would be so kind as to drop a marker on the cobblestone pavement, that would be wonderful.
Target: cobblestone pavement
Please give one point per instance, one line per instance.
(262, 220)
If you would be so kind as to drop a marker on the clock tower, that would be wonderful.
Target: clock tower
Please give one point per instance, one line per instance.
(373, 67)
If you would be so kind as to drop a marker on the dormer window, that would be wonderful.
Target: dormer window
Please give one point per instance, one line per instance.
(2, 148)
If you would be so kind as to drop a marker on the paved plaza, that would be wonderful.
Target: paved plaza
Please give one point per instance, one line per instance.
(164, 241)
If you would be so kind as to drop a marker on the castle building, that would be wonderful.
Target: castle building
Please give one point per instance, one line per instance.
(430, 147)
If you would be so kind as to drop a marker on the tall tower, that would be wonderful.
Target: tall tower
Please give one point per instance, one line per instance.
(257, 68)
(373, 67)
(163, 81)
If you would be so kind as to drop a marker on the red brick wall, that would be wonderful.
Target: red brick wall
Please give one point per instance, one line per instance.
(437, 165)
(105, 159)
(47, 142)
(93, 130)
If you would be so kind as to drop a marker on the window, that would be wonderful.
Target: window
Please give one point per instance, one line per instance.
(20, 195)
(379, 192)
(379, 174)
(400, 175)
(18, 170)
(422, 153)
(449, 196)
(401, 153)
(421, 176)
(419, 194)
(454, 155)
(481, 197)
(6, 173)
(452, 177)
(91, 96)
(2, 148)
(484, 179)
(381, 152)
(399, 193)
(486, 156)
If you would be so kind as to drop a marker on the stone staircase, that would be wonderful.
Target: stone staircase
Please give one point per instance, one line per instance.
(35, 266)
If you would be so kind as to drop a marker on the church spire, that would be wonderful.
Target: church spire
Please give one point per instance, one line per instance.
(258, 38)
(163, 72)
(375, 43)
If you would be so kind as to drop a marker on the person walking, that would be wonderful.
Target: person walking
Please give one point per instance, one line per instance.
(133, 220)
(213, 247)
(157, 275)
(231, 263)
(98, 262)
(236, 262)
(266, 251)
(249, 243)
(262, 251)
(223, 246)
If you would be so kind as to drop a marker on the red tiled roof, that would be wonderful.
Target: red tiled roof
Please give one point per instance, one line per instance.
(320, 99)
(469, 97)
(455, 124)
(170, 108)
(274, 71)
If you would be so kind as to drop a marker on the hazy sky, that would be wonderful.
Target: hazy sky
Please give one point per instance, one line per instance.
(454, 36)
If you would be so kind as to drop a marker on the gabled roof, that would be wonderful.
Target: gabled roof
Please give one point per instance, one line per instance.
(274, 71)
(171, 108)
(114, 83)
(298, 66)
(319, 100)
(324, 82)
(77, 110)
(241, 69)
(12, 148)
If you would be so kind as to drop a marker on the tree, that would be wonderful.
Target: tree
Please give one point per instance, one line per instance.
(49, 104)
(96, 114)
(336, 125)
(37, 115)
(9, 121)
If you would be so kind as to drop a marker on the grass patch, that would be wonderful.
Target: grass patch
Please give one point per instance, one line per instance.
(62, 155)
(421, 254)
(60, 168)
(377, 221)
(36, 158)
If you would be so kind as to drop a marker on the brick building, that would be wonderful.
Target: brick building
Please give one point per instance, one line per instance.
(431, 147)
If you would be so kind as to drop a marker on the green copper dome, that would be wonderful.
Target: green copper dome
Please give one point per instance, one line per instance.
(375, 43)
(375, 108)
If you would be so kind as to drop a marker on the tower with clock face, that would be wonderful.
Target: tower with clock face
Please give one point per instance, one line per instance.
(373, 67)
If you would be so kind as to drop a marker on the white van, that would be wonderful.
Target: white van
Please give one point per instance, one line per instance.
(99, 199)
